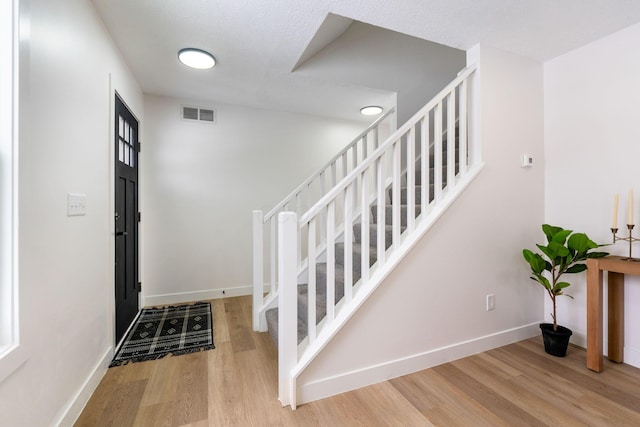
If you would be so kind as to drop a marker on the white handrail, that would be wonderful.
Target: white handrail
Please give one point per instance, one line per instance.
(340, 186)
(350, 198)
(304, 196)
(320, 171)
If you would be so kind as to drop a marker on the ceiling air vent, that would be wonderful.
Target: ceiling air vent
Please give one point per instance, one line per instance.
(199, 114)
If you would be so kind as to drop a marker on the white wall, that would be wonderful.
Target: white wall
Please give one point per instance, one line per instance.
(65, 263)
(374, 57)
(200, 183)
(432, 307)
(591, 139)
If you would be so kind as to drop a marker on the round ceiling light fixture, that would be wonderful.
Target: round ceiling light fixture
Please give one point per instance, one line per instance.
(196, 58)
(371, 110)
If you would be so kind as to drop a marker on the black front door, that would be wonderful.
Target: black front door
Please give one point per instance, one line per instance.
(126, 217)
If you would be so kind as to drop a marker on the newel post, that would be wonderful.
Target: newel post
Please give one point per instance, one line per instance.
(474, 106)
(258, 268)
(287, 305)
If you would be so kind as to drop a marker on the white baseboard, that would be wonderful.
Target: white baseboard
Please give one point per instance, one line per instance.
(181, 297)
(579, 338)
(632, 356)
(331, 386)
(68, 415)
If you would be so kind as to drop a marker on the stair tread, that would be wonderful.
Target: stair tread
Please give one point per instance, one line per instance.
(321, 268)
(356, 250)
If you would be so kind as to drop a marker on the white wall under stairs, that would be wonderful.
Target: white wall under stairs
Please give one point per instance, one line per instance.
(431, 308)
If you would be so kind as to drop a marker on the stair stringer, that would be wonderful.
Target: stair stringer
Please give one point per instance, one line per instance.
(345, 310)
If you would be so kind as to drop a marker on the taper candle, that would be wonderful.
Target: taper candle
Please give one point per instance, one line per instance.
(615, 212)
(630, 207)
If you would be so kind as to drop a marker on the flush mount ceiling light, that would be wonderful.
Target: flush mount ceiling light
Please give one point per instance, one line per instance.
(196, 58)
(371, 110)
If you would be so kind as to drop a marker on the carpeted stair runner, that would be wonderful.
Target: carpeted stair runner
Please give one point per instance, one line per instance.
(321, 269)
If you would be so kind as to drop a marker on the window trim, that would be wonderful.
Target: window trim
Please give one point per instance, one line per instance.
(12, 353)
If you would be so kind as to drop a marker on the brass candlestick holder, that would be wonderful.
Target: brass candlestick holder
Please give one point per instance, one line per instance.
(629, 239)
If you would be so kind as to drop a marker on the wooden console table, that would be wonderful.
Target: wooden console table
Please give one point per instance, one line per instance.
(616, 269)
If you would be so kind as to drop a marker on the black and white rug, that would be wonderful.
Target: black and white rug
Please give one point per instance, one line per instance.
(161, 331)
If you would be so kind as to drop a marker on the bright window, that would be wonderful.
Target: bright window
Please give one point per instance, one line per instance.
(11, 353)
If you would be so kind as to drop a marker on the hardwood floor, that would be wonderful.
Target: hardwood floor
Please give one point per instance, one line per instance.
(236, 385)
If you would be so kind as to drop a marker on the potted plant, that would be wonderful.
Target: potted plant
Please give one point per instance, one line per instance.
(564, 253)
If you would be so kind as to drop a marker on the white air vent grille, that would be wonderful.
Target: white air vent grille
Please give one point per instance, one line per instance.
(207, 115)
(198, 114)
(189, 113)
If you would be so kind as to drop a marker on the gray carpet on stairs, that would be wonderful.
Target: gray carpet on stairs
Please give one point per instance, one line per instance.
(321, 269)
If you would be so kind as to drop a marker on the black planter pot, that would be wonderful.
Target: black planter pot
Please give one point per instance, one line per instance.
(555, 342)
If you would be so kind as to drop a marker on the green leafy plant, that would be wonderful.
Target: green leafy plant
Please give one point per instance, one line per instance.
(565, 254)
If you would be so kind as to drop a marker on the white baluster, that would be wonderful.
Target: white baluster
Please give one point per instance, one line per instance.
(381, 200)
(287, 305)
(322, 184)
(396, 216)
(323, 217)
(364, 241)
(365, 149)
(331, 260)
(411, 178)
(376, 144)
(345, 172)
(424, 165)
(376, 136)
(437, 150)
(299, 212)
(451, 138)
(258, 269)
(355, 165)
(334, 174)
(348, 241)
(273, 268)
(354, 159)
(462, 128)
(311, 287)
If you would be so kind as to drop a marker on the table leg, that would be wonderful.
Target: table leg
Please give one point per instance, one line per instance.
(594, 316)
(615, 285)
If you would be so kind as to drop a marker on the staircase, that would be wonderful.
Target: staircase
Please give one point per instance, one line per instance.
(356, 247)
(324, 260)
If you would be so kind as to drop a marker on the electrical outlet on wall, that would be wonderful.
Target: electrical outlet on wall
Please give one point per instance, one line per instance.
(491, 302)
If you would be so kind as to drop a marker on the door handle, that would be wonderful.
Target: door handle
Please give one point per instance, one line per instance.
(121, 233)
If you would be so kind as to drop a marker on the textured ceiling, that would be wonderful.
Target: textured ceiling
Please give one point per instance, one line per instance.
(259, 42)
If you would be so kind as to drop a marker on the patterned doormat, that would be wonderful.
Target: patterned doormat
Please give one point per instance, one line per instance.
(161, 331)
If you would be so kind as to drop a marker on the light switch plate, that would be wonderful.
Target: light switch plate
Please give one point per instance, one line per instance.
(76, 204)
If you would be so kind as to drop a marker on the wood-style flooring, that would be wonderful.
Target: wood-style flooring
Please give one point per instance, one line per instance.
(236, 385)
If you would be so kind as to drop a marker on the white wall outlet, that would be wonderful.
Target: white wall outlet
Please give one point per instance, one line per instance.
(526, 161)
(76, 204)
(491, 302)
